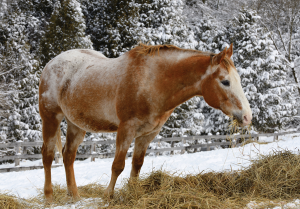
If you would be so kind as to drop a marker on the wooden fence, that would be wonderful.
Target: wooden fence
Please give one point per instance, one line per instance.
(212, 141)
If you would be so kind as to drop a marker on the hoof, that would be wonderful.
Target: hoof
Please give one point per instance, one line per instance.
(70, 199)
(74, 196)
(109, 193)
(48, 192)
(48, 199)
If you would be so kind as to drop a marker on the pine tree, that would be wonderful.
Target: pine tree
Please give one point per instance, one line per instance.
(3, 7)
(112, 25)
(39, 12)
(116, 26)
(163, 22)
(264, 74)
(66, 31)
(93, 11)
(19, 78)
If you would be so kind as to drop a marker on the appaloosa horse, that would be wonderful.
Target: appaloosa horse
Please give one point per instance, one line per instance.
(132, 95)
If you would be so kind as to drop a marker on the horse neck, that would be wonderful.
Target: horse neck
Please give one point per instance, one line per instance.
(181, 80)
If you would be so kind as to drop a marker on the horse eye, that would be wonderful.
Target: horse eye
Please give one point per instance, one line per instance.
(225, 83)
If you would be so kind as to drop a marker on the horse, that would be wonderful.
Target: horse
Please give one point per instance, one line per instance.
(132, 95)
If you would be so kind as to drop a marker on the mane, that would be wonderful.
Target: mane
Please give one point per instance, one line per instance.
(144, 49)
(152, 50)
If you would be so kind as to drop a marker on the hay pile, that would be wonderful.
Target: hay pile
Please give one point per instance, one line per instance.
(90, 196)
(11, 202)
(272, 177)
(269, 179)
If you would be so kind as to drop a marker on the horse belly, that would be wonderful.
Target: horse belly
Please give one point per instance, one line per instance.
(102, 119)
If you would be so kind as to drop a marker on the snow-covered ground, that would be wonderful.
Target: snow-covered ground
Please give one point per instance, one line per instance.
(27, 183)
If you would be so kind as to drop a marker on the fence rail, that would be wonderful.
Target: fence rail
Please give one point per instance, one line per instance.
(211, 143)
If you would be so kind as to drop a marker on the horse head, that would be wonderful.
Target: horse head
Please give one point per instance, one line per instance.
(221, 88)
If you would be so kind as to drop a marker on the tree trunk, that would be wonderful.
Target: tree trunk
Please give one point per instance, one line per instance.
(296, 79)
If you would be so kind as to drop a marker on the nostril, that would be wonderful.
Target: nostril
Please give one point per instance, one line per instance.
(245, 118)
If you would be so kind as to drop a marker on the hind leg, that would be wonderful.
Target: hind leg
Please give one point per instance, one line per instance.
(140, 147)
(51, 125)
(75, 136)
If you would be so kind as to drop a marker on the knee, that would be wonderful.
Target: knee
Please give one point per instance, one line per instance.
(137, 162)
(137, 167)
(47, 156)
(69, 157)
(117, 171)
(45, 150)
(47, 161)
(117, 168)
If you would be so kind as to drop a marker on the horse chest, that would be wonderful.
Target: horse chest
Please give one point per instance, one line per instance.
(152, 124)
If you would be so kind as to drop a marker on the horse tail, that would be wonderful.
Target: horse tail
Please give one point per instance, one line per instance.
(58, 142)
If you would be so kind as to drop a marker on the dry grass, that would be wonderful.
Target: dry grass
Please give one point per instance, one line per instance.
(234, 128)
(91, 191)
(11, 202)
(270, 179)
(273, 177)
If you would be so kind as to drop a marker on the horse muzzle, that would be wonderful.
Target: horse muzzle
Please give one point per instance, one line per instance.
(243, 119)
(247, 119)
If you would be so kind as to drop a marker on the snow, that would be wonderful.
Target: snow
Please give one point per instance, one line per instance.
(27, 184)
(165, 24)
(282, 205)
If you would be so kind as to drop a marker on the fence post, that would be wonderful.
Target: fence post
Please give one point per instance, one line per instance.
(158, 144)
(24, 147)
(18, 152)
(172, 146)
(196, 142)
(183, 142)
(207, 145)
(212, 140)
(93, 150)
(275, 138)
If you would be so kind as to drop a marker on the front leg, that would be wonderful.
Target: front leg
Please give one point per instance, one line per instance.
(140, 148)
(125, 135)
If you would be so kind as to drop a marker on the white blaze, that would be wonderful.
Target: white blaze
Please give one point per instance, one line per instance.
(236, 87)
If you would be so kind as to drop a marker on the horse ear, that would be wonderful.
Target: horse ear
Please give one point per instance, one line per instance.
(217, 59)
(229, 51)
